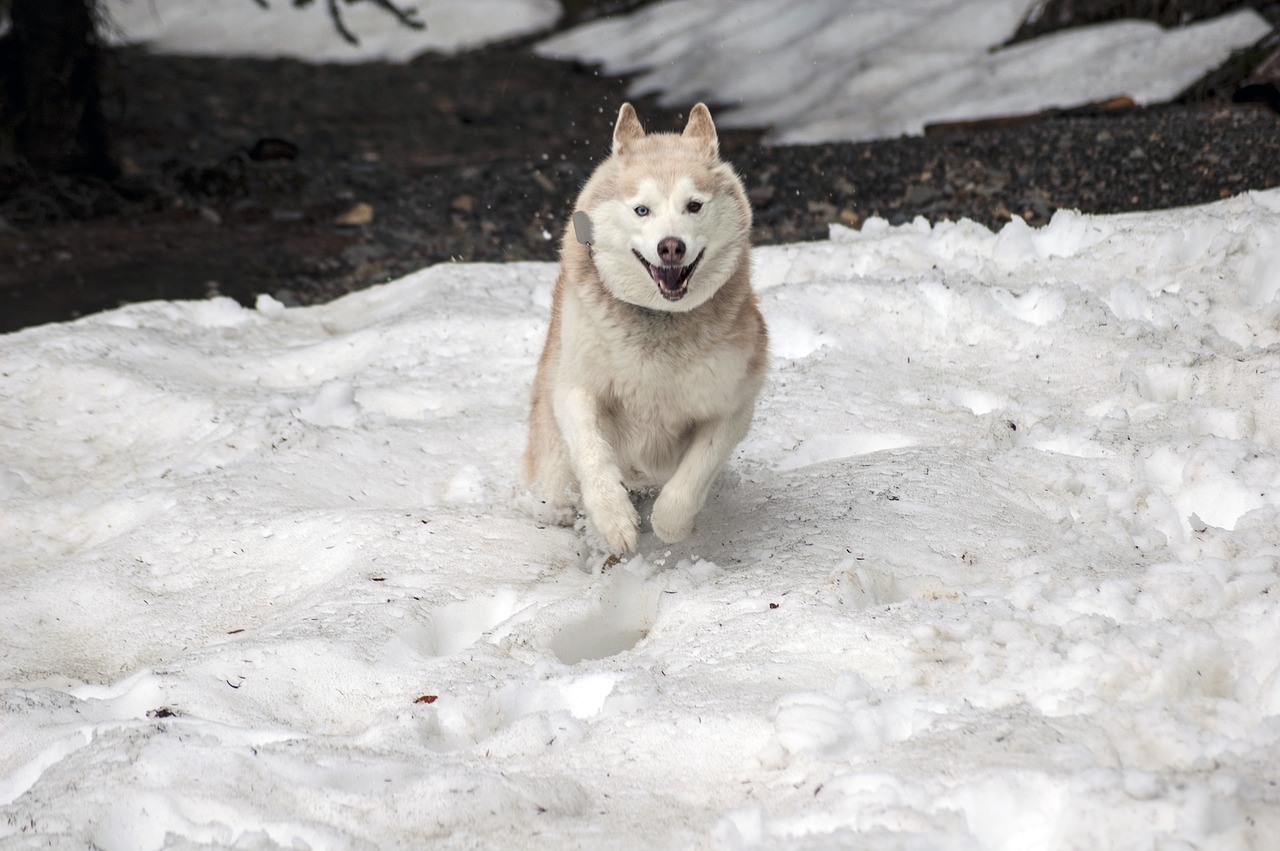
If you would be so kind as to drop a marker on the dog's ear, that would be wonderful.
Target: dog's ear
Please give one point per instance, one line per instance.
(702, 129)
(627, 129)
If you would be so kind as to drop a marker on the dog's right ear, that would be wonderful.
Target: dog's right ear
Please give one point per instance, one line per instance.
(627, 129)
(703, 130)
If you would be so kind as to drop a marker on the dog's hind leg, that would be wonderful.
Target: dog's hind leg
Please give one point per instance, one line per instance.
(557, 487)
(547, 469)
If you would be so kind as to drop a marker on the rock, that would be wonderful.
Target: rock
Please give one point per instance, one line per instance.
(919, 194)
(358, 255)
(268, 148)
(358, 215)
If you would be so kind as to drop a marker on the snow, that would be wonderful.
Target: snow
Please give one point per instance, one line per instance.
(816, 71)
(827, 70)
(997, 567)
(244, 28)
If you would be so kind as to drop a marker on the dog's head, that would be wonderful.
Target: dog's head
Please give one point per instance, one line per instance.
(670, 220)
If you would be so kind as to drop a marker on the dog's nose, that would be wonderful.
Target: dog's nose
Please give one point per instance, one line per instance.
(671, 250)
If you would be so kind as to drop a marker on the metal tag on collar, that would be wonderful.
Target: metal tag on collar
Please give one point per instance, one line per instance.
(582, 227)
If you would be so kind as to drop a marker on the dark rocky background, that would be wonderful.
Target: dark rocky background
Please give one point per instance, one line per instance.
(240, 177)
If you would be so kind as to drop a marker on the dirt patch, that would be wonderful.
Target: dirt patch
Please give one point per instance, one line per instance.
(237, 174)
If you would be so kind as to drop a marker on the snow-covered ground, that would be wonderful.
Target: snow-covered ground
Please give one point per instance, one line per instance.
(998, 566)
(826, 70)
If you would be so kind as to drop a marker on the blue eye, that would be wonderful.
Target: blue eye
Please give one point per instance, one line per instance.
(642, 210)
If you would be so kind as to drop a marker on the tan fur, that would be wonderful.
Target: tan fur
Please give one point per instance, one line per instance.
(633, 390)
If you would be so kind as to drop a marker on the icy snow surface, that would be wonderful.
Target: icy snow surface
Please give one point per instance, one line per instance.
(243, 28)
(998, 566)
(859, 69)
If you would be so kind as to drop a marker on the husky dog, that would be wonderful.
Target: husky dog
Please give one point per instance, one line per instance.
(656, 349)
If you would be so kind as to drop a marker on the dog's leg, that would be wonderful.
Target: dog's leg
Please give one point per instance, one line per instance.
(557, 488)
(546, 464)
(605, 498)
(684, 495)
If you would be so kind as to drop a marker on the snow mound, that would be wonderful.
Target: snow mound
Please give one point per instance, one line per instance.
(997, 567)
(244, 28)
(830, 70)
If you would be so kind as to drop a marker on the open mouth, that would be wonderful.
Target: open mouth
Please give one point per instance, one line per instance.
(672, 281)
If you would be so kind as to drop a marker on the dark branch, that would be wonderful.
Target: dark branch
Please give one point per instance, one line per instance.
(407, 16)
(340, 25)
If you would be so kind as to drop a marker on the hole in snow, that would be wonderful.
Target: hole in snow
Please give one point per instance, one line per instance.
(457, 626)
(618, 623)
(594, 638)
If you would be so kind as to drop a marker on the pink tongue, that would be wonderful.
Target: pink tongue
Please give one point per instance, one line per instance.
(667, 277)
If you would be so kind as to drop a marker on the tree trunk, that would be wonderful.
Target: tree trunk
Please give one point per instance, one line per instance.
(51, 105)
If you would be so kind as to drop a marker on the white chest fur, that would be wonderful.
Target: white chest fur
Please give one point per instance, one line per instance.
(654, 378)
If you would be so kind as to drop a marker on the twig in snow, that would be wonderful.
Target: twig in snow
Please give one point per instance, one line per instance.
(407, 16)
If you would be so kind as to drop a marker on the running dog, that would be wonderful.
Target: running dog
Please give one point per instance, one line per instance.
(656, 348)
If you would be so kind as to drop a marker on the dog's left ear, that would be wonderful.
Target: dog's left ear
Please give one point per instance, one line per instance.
(627, 129)
(702, 129)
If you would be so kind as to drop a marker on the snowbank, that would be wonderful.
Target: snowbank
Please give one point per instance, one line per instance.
(829, 70)
(997, 567)
(243, 28)
(814, 71)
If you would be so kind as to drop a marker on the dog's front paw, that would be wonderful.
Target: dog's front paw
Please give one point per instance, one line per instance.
(672, 518)
(616, 520)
